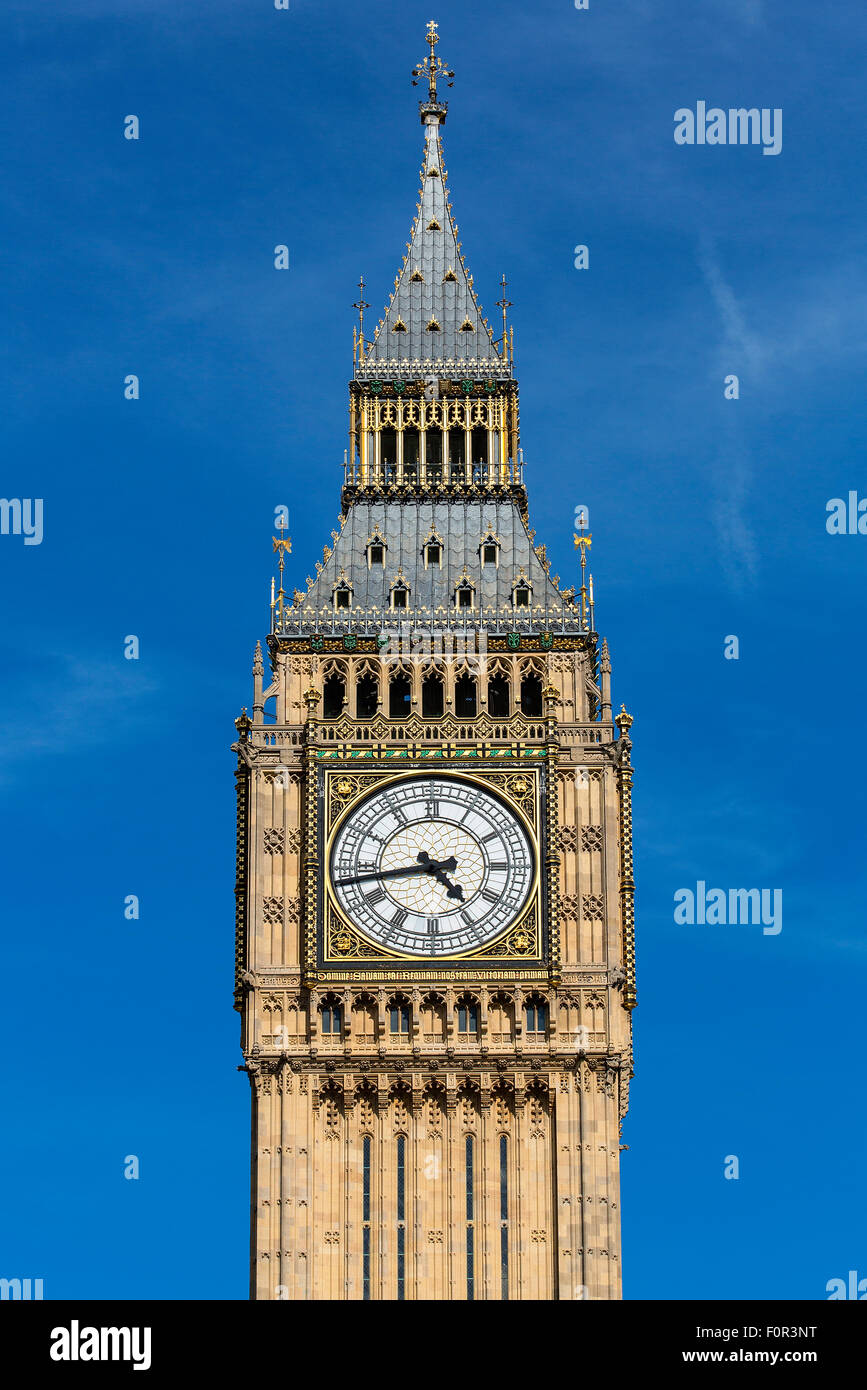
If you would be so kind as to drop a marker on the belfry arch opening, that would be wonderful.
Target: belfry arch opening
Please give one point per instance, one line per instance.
(531, 694)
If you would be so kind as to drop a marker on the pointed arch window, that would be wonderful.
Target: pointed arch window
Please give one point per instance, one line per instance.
(400, 695)
(466, 696)
(366, 696)
(531, 694)
(334, 694)
(499, 702)
(432, 696)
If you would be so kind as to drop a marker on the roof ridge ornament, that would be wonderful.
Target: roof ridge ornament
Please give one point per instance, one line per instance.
(433, 69)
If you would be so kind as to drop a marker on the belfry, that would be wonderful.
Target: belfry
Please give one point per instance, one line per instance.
(434, 905)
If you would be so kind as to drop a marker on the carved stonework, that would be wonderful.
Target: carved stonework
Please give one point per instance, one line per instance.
(434, 1008)
(568, 838)
(591, 837)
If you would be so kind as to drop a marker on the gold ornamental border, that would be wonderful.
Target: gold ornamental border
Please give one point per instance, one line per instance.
(529, 919)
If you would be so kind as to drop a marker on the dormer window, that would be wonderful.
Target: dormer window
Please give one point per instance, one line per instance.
(434, 226)
(341, 592)
(490, 549)
(433, 550)
(464, 592)
(521, 591)
(417, 276)
(466, 327)
(399, 592)
(399, 326)
(433, 327)
(376, 548)
(449, 276)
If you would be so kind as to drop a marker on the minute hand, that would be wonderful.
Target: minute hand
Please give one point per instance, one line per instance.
(385, 873)
(431, 866)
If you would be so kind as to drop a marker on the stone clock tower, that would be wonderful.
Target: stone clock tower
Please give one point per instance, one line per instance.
(434, 926)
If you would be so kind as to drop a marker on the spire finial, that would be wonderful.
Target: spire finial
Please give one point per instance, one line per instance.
(504, 304)
(282, 546)
(581, 543)
(361, 304)
(432, 68)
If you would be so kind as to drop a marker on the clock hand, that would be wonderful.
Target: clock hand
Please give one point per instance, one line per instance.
(424, 865)
(432, 865)
(454, 889)
(383, 873)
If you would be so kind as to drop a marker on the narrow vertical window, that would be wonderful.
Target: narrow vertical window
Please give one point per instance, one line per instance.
(365, 1218)
(401, 1216)
(504, 1216)
(471, 1264)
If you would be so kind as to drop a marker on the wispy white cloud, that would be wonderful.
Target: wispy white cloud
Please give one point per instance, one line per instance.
(85, 704)
(732, 468)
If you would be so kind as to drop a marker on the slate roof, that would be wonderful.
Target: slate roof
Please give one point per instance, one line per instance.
(433, 254)
(461, 526)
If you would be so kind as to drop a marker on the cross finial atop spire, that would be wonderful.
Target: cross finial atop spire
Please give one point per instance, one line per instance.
(432, 68)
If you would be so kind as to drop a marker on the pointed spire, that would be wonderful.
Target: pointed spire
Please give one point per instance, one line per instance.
(258, 671)
(605, 673)
(433, 314)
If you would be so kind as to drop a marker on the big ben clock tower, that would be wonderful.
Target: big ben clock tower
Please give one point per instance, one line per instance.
(434, 926)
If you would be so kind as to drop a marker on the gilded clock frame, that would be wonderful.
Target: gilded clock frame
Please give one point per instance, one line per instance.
(338, 944)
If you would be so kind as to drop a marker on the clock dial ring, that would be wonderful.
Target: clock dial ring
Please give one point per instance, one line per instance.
(431, 864)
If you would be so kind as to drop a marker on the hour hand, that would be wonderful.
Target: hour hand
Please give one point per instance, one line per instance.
(434, 865)
(454, 889)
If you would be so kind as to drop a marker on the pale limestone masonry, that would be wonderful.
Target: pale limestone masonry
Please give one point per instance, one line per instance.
(438, 1043)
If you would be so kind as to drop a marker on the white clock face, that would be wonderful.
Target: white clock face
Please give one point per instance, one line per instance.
(432, 866)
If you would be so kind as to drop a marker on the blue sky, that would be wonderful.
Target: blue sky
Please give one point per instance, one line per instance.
(155, 257)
